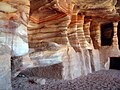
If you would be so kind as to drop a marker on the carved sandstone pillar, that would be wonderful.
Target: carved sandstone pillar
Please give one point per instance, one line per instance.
(86, 28)
(96, 34)
(115, 37)
(89, 52)
(84, 55)
(80, 31)
(61, 36)
(72, 33)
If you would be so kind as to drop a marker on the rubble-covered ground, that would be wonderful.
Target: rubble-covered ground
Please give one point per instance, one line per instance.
(100, 80)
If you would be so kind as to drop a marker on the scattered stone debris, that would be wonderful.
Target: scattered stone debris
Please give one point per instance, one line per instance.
(32, 81)
(41, 81)
(100, 80)
(21, 75)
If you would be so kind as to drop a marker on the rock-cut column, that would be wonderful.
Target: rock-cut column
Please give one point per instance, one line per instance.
(74, 53)
(61, 36)
(84, 55)
(80, 31)
(115, 37)
(72, 33)
(96, 34)
(86, 28)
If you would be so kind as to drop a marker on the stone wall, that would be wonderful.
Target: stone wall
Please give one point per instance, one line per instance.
(53, 24)
(13, 36)
(78, 31)
(5, 68)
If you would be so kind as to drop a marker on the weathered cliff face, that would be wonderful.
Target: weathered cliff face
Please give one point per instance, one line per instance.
(67, 32)
(13, 28)
(5, 68)
(13, 36)
(76, 26)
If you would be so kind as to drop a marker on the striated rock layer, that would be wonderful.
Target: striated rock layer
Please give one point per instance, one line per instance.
(66, 32)
(13, 36)
(76, 26)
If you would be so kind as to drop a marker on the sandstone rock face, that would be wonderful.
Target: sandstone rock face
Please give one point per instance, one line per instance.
(66, 32)
(47, 57)
(13, 36)
(5, 68)
(13, 26)
(75, 25)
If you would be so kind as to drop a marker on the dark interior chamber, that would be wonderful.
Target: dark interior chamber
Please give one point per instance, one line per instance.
(115, 63)
(106, 34)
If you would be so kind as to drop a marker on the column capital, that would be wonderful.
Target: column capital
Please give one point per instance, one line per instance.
(115, 23)
(88, 20)
(81, 17)
(76, 9)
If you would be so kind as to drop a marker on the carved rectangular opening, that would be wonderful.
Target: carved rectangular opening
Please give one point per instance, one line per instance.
(106, 34)
(115, 63)
(118, 34)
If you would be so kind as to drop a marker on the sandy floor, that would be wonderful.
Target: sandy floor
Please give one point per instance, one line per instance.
(101, 80)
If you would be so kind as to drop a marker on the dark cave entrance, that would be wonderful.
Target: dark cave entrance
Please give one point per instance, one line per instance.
(115, 63)
(106, 34)
(118, 34)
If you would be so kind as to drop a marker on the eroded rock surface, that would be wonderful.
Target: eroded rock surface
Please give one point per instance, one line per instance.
(104, 79)
(66, 32)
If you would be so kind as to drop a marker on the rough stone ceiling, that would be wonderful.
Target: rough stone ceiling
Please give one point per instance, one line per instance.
(99, 5)
(102, 9)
